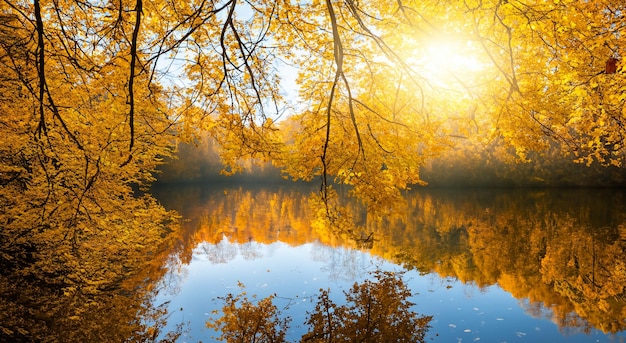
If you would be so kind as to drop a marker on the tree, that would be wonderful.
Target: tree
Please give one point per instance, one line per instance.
(376, 105)
(95, 94)
(558, 86)
(74, 232)
(244, 321)
(376, 311)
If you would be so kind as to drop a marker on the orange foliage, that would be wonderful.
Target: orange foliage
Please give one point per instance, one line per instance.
(560, 255)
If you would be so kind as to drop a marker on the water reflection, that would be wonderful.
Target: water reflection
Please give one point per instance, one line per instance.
(374, 311)
(562, 249)
(562, 253)
(101, 291)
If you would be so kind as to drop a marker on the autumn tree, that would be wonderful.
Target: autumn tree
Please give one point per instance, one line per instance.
(386, 86)
(94, 95)
(74, 233)
(558, 65)
(243, 320)
(376, 310)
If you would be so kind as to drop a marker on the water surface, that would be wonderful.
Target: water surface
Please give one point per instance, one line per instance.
(488, 265)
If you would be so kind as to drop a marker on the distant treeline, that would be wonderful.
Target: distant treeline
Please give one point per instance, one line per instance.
(200, 162)
(548, 169)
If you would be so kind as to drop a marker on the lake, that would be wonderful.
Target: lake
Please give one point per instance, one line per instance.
(504, 265)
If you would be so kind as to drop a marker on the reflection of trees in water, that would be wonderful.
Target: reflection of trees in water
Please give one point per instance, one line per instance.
(173, 278)
(375, 310)
(225, 251)
(435, 282)
(559, 249)
(89, 301)
(564, 249)
(222, 252)
(569, 324)
(589, 269)
(341, 263)
(83, 273)
(251, 250)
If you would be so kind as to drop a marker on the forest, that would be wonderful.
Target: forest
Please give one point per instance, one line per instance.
(380, 96)
(458, 168)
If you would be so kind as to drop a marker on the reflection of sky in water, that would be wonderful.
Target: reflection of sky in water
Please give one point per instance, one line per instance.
(461, 313)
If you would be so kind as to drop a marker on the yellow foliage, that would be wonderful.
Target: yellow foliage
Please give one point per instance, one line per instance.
(94, 96)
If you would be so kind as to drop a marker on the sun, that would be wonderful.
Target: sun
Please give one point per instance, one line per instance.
(452, 56)
(450, 62)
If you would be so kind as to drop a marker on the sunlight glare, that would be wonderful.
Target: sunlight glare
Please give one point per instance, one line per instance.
(446, 62)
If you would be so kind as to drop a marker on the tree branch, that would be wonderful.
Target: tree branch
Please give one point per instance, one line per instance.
(131, 79)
